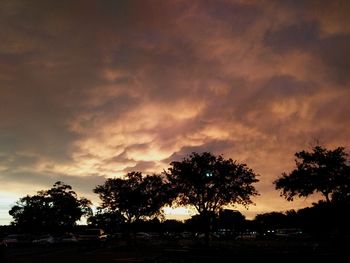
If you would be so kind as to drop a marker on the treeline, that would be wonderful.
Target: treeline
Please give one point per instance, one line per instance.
(205, 182)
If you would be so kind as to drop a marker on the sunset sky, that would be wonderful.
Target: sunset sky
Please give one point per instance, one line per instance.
(94, 89)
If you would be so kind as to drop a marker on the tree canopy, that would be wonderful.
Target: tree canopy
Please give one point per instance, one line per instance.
(134, 196)
(55, 209)
(271, 220)
(110, 221)
(321, 170)
(209, 182)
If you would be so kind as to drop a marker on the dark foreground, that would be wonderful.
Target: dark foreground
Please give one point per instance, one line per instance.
(184, 251)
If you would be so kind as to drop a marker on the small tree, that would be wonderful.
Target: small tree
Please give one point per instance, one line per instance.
(321, 170)
(56, 209)
(134, 197)
(209, 182)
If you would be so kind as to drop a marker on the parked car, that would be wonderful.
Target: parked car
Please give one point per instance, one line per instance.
(68, 238)
(210, 235)
(289, 233)
(247, 236)
(116, 236)
(186, 235)
(2, 243)
(16, 240)
(92, 235)
(45, 240)
(143, 236)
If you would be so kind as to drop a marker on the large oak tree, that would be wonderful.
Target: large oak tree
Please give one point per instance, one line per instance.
(208, 182)
(320, 170)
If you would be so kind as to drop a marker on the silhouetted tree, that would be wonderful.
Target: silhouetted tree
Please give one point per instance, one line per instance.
(325, 219)
(231, 220)
(172, 226)
(321, 170)
(56, 209)
(135, 196)
(153, 225)
(209, 182)
(110, 221)
(293, 219)
(201, 223)
(272, 220)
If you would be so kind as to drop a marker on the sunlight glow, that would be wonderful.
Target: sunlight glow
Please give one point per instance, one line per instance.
(7, 200)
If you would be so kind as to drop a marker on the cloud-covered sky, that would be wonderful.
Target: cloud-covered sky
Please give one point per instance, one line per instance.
(94, 89)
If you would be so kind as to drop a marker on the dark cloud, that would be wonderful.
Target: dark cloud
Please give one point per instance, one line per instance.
(214, 146)
(335, 53)
(143, 166)
(307, 37)
(15, 161)
(240, 16)
(45, 179)
(302, 35)
(285, 86)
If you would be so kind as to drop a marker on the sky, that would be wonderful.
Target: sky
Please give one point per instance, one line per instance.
(91, 90)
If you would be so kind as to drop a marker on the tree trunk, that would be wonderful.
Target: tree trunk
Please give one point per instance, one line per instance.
(207, 238)
(327, 197)
(207, 229)
(129, 232)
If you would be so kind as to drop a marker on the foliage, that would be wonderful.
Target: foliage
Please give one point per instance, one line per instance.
(172, 225)
(55, 209)
(135, 196)
(321, 170)
(272, 220)
(201, 222)
(110, 221)
(232, 220)
(208, 182)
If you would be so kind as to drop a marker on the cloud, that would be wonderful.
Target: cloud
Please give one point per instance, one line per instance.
(145, 166)
(95, 89)
(307, 37)
(211, 146)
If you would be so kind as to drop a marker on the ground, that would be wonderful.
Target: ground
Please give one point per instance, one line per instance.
(184, 251)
